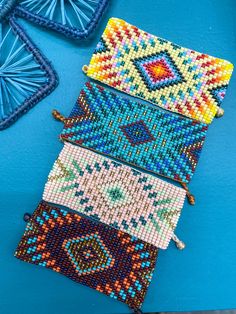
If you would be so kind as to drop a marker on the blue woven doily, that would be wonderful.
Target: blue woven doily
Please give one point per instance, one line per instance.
(26, 76)
(74, 18)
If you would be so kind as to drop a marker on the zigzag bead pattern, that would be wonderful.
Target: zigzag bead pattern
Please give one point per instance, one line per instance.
(175, 78)
(90, 253)
(139, 134)
(137, 203)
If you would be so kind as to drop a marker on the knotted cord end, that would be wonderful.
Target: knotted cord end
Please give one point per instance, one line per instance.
(179, 244)
(220, 112)
(58, 116)
(85, 69)
(26, 217)
(191, 198)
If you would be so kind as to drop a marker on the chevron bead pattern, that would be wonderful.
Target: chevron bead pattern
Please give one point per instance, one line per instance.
(115, 194)
(138, 134)
(90, 253)
(175, 78)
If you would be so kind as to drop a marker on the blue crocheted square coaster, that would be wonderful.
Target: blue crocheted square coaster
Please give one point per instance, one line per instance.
(26, 76)
(75, 18)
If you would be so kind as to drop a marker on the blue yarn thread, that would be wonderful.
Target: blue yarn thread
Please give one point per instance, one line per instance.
(5, 7)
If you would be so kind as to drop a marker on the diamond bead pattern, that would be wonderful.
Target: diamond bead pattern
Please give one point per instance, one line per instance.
(88, 252)
(175, 78)
(138, 134)
(158, 71)
(115, 194)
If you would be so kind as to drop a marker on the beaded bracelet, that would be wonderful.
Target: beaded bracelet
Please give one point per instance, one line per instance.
(139, 134)
(115, 194)
(175, 78)
(88, 252)
(26, 75)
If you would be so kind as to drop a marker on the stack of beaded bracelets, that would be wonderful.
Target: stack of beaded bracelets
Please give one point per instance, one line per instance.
(123, 215)
(135, 133)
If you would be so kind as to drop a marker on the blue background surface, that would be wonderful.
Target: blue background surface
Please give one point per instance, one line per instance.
(203, 276)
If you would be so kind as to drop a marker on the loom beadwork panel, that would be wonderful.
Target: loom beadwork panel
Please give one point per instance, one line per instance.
(175, 78)
(115, 194)
(139, 134)
(89, 252)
